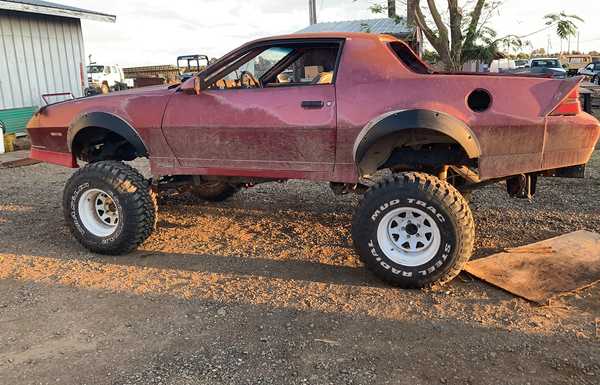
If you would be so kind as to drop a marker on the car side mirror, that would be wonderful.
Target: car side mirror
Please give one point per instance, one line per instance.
(192, 86)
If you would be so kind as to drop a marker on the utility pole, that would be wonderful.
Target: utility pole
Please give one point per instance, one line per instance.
(578, 37)
(391, 9)
(312, 11)
(411, 10)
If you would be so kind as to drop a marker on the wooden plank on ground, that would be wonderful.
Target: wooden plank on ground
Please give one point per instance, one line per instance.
(542, 270)
(19, 163)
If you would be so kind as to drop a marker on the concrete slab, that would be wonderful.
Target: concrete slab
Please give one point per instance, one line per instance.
(14, 155)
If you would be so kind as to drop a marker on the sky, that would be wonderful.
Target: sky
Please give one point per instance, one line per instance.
(151, 32)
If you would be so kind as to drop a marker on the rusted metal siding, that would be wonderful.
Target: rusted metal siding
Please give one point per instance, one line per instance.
(39, 54)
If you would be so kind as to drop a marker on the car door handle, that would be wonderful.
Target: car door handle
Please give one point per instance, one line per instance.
(312, 104)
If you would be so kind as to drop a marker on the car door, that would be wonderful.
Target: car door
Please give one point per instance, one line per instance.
(279, 128)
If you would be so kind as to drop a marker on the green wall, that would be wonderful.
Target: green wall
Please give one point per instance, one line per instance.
(15, 119)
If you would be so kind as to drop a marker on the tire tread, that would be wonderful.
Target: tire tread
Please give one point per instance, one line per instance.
(143, 204)
(443, 191)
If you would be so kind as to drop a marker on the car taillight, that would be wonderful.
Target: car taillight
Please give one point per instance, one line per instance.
(570, 106)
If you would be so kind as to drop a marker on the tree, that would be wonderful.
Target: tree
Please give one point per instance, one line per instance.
(458, 33)
(540, 52)
(565, 25)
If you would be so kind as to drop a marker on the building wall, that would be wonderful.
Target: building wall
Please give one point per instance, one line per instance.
(39, 54)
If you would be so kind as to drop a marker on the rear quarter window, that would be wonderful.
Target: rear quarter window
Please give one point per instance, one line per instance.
(409, 59)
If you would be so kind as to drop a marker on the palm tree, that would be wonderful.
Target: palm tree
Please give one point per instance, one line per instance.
(565, 24)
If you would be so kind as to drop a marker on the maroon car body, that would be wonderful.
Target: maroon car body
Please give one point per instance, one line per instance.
(326, 107)
(268, 132)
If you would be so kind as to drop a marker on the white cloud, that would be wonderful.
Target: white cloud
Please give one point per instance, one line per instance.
(157, 31)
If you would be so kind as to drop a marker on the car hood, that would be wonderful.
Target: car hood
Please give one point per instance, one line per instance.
(151, 90)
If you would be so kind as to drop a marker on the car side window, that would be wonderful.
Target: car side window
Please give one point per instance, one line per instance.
(247, 75)
(283, 66)
(311, 66)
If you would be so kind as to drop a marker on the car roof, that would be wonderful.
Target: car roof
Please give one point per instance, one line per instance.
(325, 35)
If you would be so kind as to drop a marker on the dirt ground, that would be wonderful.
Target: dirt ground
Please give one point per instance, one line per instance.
(265, 289)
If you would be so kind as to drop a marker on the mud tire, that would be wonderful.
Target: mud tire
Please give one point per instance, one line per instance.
(132, 197)
(441, 202)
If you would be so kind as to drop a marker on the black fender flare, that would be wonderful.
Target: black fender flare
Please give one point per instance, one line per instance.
(109, 122)
(396, 121)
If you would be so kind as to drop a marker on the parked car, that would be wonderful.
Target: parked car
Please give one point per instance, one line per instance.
(547, 66)
(106, 78)
(358, 110)
(574, 63)
(521, 63)
(592, 71)
(189, 65)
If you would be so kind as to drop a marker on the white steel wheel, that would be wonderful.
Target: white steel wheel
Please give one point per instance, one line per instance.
(98, 212)
(409, 236)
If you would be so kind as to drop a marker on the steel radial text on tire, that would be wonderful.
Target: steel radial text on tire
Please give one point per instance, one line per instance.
(413, 230)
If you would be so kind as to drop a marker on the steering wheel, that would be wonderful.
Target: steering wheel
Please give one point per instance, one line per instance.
(248, 80)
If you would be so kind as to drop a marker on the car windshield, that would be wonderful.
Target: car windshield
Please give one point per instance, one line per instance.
(95, 69)
(545, 63)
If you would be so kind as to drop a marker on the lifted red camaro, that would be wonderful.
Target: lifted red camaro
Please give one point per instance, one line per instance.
(360, 111)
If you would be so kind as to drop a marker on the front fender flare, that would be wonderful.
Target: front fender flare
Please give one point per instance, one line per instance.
(109, 122)
(398, 121)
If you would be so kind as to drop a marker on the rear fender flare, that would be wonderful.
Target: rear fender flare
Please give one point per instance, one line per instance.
(396, 122)
(109, 122)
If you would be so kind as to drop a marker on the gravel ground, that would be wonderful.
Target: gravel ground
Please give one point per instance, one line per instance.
(265, 289)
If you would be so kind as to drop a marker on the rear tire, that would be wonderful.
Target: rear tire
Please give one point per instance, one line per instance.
(413, 230)
(109, 207)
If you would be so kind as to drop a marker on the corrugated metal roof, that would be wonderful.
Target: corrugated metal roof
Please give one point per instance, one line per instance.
(383, 25)
(48, 8)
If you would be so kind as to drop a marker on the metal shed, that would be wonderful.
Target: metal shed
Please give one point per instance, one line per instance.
(41, 52)
(398, 27)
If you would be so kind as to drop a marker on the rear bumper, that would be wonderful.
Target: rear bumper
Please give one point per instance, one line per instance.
(65, 159)
(570, 140)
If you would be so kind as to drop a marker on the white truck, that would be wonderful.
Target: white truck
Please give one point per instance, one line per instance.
(106, 78)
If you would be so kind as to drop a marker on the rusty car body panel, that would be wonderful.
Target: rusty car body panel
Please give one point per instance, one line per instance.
(264, 132)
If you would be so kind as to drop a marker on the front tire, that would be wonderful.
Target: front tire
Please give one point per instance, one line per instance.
(109, 208)
(413, 230)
